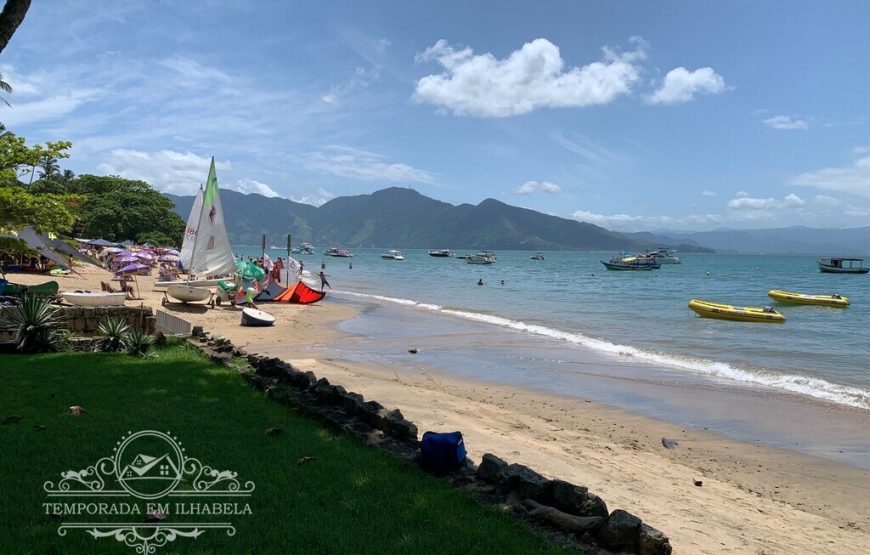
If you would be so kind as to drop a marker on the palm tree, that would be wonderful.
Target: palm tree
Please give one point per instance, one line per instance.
(68, 175)
(10, 18)
(6, 87)
(48, 167)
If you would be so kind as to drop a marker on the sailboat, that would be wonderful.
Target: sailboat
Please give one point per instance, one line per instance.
(210, 253)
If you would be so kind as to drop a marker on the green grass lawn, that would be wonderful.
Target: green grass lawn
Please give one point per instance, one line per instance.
(351, 499)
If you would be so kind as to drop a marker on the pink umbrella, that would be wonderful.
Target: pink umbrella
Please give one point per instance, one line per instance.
(133, 268)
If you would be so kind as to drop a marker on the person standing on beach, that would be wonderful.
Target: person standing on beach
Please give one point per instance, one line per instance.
(323, 281)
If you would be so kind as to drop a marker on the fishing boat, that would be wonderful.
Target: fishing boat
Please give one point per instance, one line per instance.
(664, 256)
(538, 256)
(258, 318)
(632, 263)
(393, 254)
(46, 289)
(790, 297)
(442, 253)
(839, 265)
(338, 252)
(209, 252)
(94, 298)
(709, 309)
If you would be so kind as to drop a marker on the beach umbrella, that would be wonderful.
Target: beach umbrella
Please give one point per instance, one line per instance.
(249, 271)
(113, 249)
(133, 268)
(169, 258)
(125, 259)
(144, 255)
(102, 243)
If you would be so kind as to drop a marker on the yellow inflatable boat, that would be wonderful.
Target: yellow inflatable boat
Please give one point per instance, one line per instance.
(801, 298)
(738, 313)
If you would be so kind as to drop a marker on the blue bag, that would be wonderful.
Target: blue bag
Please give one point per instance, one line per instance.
(442, 452)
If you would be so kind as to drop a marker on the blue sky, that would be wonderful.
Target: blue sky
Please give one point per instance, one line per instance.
(630, 115)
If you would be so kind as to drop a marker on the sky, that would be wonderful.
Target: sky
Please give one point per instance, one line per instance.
(677, 115)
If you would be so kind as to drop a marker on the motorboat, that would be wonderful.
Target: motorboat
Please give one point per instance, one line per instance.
(94, 298)
(720, 311)
(393, 255)
(790, 297)
(442, 253)
(838, 265)
(537, 256)
(463, 256)
(664, 256)
(479, 259)
(306, 248)
(641, 263)
(257, 318)
(338, 252)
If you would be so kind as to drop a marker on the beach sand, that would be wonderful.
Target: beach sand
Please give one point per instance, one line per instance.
(754, 498)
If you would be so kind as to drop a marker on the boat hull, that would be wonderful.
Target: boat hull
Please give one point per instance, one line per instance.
(719, 311)
(625, 266)
(256, 318)
(790, 297)
(835, 270)
(440, 254)
(46, 289)
(87, 298)
(188, 293)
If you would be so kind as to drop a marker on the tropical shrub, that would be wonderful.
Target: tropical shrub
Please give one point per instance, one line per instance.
(33, 320)
(114, 332)
(139, 343)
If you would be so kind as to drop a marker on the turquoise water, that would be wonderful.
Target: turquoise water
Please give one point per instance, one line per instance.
(641, 317)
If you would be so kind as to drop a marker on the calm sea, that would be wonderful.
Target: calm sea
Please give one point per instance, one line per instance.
(640, 318)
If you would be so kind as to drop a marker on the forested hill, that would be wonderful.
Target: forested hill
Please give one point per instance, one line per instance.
(403, 218)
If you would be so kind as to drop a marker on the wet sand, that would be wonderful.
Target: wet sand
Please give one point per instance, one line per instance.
(754, 498)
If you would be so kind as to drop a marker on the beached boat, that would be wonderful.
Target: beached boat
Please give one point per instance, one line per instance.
(188, 293)
(94, 298)
(664, 256)
(254, 317)
(46, 289)
(790, 297)
(338, 252)
(442, 253)
(393, 254)
(709, 309)
(838, 265)
(632, 263)
(538, 256)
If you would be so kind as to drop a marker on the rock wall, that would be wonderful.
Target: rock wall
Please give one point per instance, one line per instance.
(85, 322)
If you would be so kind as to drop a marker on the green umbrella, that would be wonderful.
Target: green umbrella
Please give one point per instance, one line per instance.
(249, 271)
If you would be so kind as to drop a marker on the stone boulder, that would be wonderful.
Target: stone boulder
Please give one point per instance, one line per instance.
(522, 480)
(490, 468)
(621, 531)
(576, 500)
(653, 542)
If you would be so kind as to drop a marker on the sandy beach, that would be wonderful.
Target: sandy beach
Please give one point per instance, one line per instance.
(754, 499)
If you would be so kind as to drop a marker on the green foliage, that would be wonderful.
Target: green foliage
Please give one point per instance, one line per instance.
(139, 343)
(114, 338)
(33, 320)
(121, 209)
(17, 159)
(46, 213)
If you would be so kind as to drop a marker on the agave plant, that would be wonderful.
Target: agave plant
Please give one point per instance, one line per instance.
(114, 332)
(139, 343)
(32, 320)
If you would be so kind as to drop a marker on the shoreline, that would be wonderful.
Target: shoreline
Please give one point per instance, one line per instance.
(754, 498)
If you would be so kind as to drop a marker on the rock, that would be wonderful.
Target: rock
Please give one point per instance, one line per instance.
(413, 351)
(396, 425)
(371, 413)
(669, 443)
(653, 542)
(576, 500)
(620, 531)
(524, 481)
(271, 368)
(698, 483)
(12, 419)
(352, 402)
(281, 393)
(490, 467)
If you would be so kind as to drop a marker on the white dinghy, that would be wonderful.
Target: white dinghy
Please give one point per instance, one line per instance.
(94, 298)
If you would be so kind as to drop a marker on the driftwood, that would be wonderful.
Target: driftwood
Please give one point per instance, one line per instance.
(562, 520)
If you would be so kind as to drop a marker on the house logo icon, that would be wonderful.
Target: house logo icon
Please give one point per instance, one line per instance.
(149, 464)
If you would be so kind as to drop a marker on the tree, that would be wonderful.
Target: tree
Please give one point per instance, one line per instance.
(46, 213)
(6, 87)
(10, 18)
(121, 209)
(17, 159)
(48, 166)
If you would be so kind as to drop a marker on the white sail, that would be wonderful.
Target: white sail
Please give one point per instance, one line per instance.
(190, 230)
(211, 255)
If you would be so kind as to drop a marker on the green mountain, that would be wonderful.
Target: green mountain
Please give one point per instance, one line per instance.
(403, 218)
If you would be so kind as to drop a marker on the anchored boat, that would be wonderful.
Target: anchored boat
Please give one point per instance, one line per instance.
(838, 265)
(709, 309)
(790, 297)
(641, 263)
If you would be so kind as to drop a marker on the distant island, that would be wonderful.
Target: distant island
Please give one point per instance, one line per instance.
(404, 218)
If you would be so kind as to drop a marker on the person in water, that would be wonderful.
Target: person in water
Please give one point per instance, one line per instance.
(350, 266)
(323, 281)
(480, 282)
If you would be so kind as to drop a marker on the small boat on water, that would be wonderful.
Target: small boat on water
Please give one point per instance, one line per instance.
(790, 297)
(463, 256)
(441, 253)
(664, 256)
(94, 298)
(839, 265)
(257, 318)
(538, 256)
(629, 263)
(393, 254)
(338, 252)
(720, 311)
(306, 248)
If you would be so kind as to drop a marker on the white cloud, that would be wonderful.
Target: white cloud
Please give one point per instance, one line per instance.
(785, 122)
(360, 164)
(584, 146)
(708, 193)
(747, 202)
(248, 186)
(48, 108)
(192, 71)
(165, 170)
(626, 222)
(533, 77)
(681, 85)
(792, 200)
(317, 198)
(530, 187)
(853, 179)
(825, 200)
